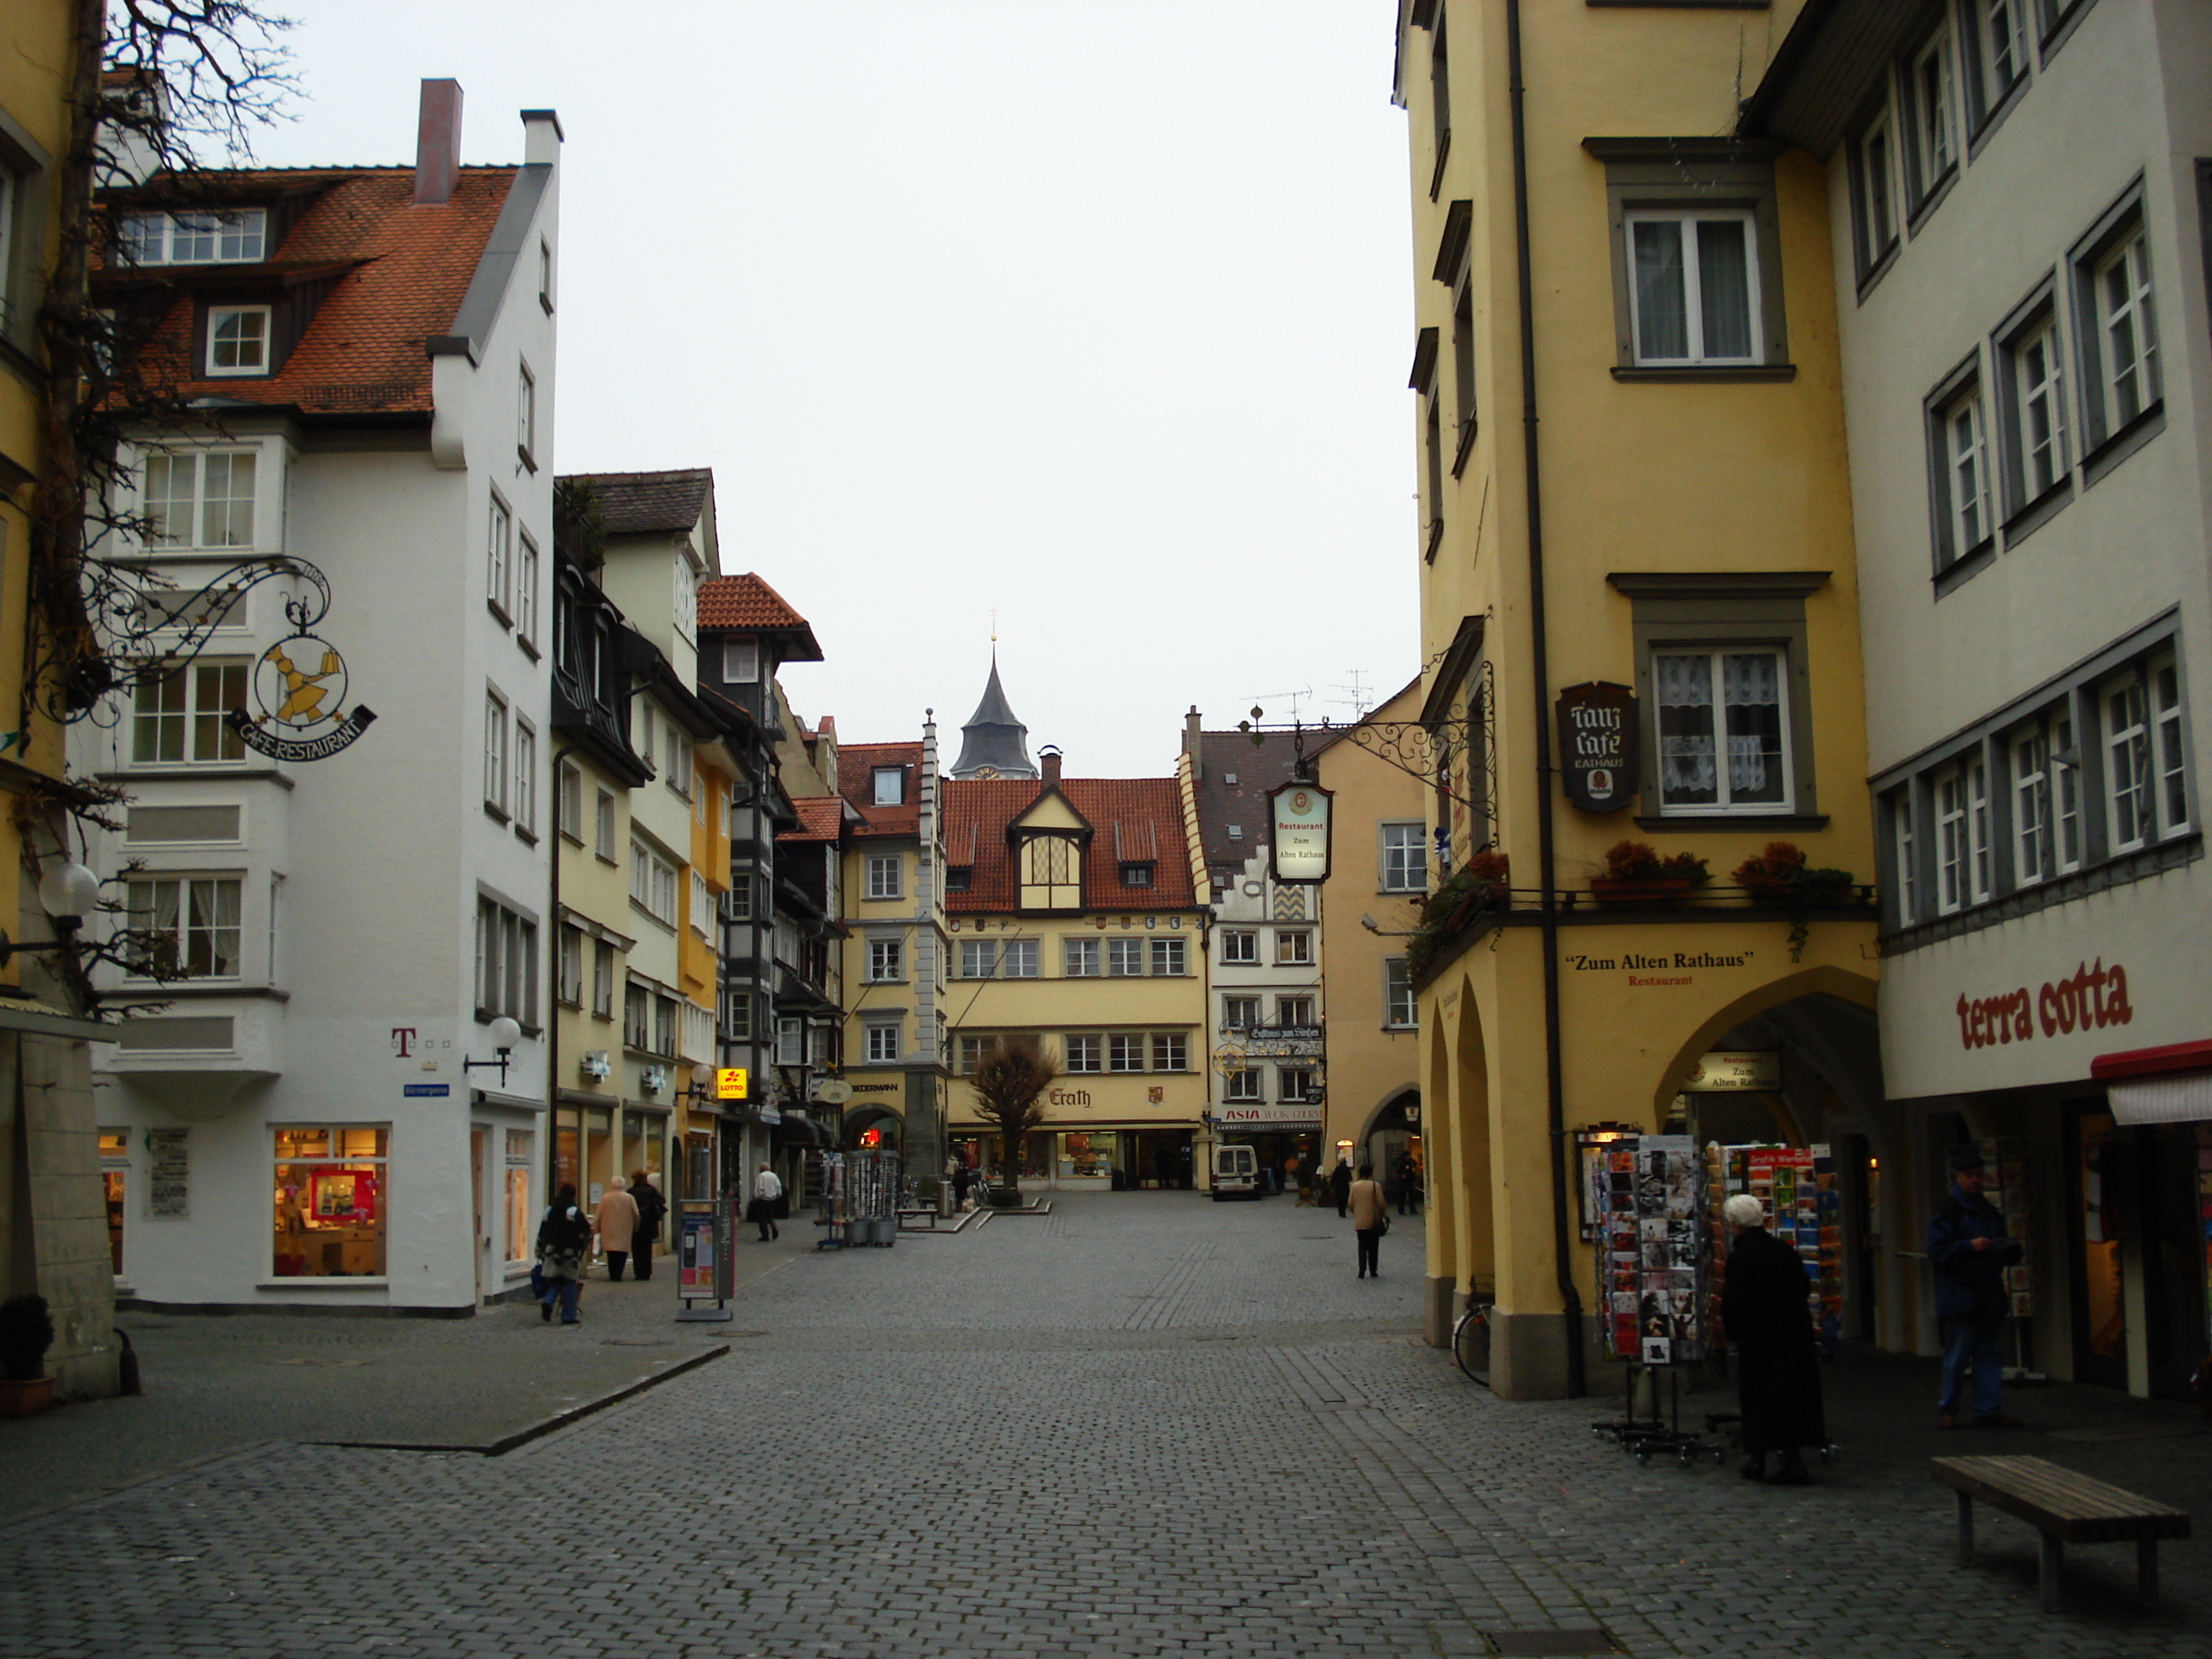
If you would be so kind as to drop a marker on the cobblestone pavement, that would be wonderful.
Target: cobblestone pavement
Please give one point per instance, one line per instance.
(1143, 1425)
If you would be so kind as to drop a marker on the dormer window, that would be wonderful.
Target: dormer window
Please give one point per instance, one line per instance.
(1236, 832)
(239, 237)
(957, 876)
(1136, 873)
(740, 661)
(889, 786)
(238, 340)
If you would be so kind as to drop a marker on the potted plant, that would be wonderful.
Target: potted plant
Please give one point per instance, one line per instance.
(1479, 885)
(1780, 876)
(1635, 873)
(27, 1331)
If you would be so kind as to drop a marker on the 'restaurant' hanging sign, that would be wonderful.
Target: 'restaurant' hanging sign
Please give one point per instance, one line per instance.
(1597, 745)
(1298, 843)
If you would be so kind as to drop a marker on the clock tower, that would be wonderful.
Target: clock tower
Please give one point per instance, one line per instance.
(993, 743)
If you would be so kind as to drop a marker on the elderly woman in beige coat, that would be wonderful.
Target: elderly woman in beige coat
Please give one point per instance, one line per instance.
(616, 1220)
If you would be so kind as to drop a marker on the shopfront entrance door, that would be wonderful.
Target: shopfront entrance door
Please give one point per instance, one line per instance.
(2096, 1209)
(2173, 1248)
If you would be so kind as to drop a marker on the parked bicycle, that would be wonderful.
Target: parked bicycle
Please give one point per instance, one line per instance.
(1471, 1338)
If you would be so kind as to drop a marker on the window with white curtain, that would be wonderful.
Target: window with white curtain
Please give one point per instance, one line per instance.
(1723, 730)
(1694, 296)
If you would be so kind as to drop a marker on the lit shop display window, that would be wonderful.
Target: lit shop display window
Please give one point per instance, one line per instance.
(1086, 1156)
(332, 1201)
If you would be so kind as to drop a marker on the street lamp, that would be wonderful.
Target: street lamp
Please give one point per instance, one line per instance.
(505, 1034)
(68, 893)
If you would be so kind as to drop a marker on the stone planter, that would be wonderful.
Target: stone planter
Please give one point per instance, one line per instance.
(1004, 1198)
(26, 1399)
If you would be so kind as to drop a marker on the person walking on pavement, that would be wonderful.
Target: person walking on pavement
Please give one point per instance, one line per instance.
(1370, 1219)
(962, 1178)
(614, 1222)
(1408, 1173)
(1766, 1314)
(1340, 1184)
(564, 1244)
(767, 1190)
(1970, 1248)
(652, 1210)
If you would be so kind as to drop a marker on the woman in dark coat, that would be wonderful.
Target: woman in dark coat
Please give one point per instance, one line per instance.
(1764, 1308)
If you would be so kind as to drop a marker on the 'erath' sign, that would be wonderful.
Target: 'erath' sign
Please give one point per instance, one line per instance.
(1597, 745)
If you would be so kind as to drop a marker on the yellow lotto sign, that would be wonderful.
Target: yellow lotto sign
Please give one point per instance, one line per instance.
(730, 1083)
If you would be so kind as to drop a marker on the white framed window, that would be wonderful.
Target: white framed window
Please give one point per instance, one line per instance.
(1294, 1083)
(979, 958)
(974, 1051)
(191, 926)
(1873, 192)
(499, 558)
(1125, 1051)
(1905, 843)
(1239, 1013)
(1400, 1005)
(1168, 958)
(603, 978)
(1965, 448)
(2124, 350)
(2146, 765)
(496, 752)
(2040, 391)
(1079, 959)
(570, 804)
(1137, 872)
(652, 883)
(1125, 959)
(888, 786)
(883, 1040)
(1693, 288)
(238, 340)
(1404, 858)
(2034, 851)
(199, 497)
(2001, 49)
(525, 776)
(665, 1025)
(1240, 945)
(649, 724)
(1294, 1011)
(1170, 1051)
(506, 965)
(886, 960)
(603, 825)
(1082, 1054)
(703, 906)
(1017, 959)
(332, 1195)
(740, 661)
(677, 770)
(1934, 142)
(238, 236)
(1980, 854)
(2068, 791)
(1243, 1087)
(525, 588)
(180, 719)
(1723, 730)
(1293, 948)
(2170, 758)
(570, 988)
(884, 877)
(790, 1041)
(1950, 841)
(738, 1016)
(526, 415)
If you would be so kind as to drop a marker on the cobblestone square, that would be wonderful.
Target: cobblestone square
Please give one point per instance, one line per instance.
(1142, 1425)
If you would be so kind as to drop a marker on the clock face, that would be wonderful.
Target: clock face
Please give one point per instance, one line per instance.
(986, 771)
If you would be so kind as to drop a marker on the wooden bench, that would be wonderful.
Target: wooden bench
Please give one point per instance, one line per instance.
(2066, 1508)
(919, 1211)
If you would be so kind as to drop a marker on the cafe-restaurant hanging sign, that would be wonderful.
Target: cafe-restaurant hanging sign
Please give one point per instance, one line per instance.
(1597, 745)
(1298, 841)
(300, 684)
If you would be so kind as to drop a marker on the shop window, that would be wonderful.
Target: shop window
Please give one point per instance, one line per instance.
(521, 1233)
(115, 1185)
(333, 1198)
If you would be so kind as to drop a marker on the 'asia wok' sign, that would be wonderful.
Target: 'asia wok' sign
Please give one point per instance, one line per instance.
(1298, 843)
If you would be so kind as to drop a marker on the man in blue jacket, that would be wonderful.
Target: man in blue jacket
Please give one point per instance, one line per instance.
(1967, 1242)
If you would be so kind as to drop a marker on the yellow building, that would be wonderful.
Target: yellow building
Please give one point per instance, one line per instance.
(54, 1162)
(1378, 872)
(1076, 921)
(1639, 625)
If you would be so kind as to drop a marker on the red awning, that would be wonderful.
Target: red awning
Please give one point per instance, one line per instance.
(2171, 1083)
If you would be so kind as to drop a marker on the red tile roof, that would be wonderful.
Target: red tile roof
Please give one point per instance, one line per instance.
(397, 274)
(1141, 816)
(820, 817)
(746, 602)
(638, 503)
(856, 782)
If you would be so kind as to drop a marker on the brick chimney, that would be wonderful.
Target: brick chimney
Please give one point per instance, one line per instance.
(438, 143)
(1048, 764)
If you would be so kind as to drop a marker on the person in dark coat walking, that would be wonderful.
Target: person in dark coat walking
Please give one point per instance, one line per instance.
(1970, 1249)
(652, 1210)
(1407, 1171)
(564, 1244)
(1340, 1185)
(1764, 1309)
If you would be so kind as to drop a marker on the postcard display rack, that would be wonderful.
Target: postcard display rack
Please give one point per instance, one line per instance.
(860, 1200)
(1651, 1253)
(1797, 1185)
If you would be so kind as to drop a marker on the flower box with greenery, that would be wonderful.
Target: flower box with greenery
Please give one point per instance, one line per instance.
(1635, 873)
(1479, 885)
(1780, 876)
(27, 1331)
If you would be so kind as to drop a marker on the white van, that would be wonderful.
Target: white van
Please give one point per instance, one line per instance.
(1236, 1169)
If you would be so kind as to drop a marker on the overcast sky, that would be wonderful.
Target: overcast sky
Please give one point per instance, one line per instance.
(1095, 312)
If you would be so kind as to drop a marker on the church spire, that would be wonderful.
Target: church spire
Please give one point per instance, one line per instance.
(994, 742)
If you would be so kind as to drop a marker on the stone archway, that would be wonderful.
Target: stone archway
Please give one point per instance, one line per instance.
(862, 1119)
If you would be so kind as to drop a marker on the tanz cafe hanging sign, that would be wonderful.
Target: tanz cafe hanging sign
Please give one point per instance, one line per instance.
(1597, 745)
(1298, 846)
